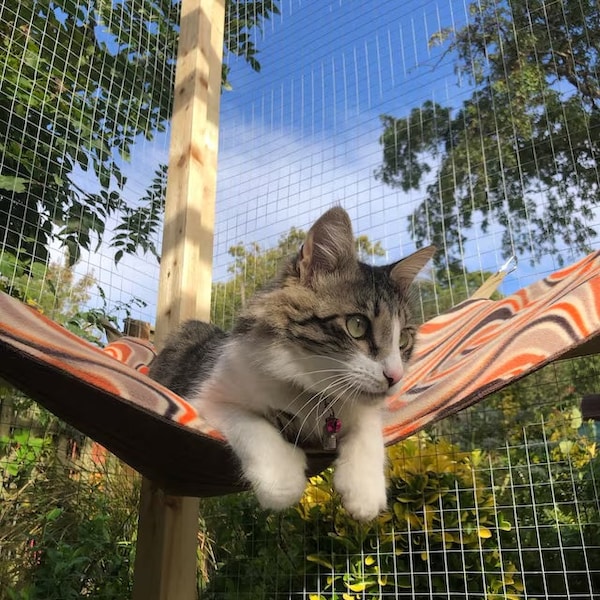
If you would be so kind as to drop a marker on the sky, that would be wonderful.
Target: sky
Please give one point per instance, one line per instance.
(302, 135)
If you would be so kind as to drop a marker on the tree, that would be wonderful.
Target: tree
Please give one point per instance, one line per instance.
(80, 84)
(52, 288)
(522, 150)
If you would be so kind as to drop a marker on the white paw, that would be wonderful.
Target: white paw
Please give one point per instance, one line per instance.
(363, 496)
(279, 481)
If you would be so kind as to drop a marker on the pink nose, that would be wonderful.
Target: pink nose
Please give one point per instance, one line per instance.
(393, 376)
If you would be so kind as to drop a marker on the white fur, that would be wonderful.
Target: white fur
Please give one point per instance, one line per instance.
(240, 391)
(392, 363)
(233, 400)
(359, 469)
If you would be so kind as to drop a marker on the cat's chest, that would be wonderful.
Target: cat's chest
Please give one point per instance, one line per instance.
(316, 428)
(296, 414)
(303, 417)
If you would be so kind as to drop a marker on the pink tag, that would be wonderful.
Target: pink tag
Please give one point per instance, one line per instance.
(333, 425)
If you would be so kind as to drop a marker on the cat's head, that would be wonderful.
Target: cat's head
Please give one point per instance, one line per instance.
(332, 324)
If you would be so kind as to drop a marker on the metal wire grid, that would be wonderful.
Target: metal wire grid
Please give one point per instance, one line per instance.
(39, 148)
(294, 141)
(544, 510)
(299, 137)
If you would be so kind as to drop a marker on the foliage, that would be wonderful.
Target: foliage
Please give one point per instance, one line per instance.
(252, 550)
(67, 523)
(442, 523)
(545, 461)
(21, 453)
(67, 529)
(92, 323)
(50, 288)
(241, 20)
(442, 519)
(81, 83)
(551, 478)
(521, 151)
(514, 415)
(141, 224)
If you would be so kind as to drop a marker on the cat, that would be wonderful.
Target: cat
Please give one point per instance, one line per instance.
(310, 361)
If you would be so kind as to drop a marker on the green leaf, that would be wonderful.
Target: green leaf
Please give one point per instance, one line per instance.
(13, 184)
(315, 558)
(54, 514)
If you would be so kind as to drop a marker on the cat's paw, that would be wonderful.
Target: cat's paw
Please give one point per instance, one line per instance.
(279, 482)
(363, 497)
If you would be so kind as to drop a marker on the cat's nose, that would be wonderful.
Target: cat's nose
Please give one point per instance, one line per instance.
(393, 376)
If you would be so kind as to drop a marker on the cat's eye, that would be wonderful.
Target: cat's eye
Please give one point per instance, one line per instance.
(405, 339)
(357, 326)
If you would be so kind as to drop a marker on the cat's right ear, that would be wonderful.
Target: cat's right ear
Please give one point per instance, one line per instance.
(329, 245)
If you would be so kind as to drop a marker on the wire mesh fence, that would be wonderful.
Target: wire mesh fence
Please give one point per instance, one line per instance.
(471, 125)
(500, 503)
(85, 94)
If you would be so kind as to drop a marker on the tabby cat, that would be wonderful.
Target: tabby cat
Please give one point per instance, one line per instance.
(309, 362)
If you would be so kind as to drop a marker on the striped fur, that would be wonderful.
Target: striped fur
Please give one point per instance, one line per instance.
(322, 341)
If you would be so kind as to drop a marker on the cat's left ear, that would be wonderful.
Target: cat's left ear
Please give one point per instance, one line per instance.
(329, 245)
(404, 271)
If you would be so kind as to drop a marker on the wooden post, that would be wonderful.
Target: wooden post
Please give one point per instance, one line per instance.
(165, 566)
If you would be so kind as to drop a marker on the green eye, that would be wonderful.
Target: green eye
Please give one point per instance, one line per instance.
(405, 339)
(357, 326)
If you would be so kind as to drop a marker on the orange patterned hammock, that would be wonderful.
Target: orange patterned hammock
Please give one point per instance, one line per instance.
(474, 349)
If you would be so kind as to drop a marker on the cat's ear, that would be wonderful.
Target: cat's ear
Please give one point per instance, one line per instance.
(329, 245)
(404, 271)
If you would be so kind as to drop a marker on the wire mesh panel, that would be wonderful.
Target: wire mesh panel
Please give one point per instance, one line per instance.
(473, 126)
(500, 502)
(470, 125)
(85, 96)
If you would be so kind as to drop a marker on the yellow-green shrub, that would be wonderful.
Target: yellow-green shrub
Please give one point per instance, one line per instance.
(439, 535)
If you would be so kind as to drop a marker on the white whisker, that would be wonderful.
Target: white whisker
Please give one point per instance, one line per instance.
(348, 383)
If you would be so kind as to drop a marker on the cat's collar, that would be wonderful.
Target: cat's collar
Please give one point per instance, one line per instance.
(333, 425)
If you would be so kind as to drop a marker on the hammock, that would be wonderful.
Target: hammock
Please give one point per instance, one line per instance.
(465, 354)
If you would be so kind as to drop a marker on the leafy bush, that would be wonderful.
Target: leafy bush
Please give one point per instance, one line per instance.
(439, 536)
(552, 477)
(67, 528)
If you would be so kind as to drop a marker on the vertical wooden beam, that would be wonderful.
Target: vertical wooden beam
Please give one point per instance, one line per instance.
(165, 566)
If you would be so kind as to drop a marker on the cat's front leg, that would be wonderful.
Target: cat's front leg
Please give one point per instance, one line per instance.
(275, 468)
(359, 475)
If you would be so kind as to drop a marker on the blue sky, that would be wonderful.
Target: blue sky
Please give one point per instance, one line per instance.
(302, 134)
(350, 56)
(329, 69)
